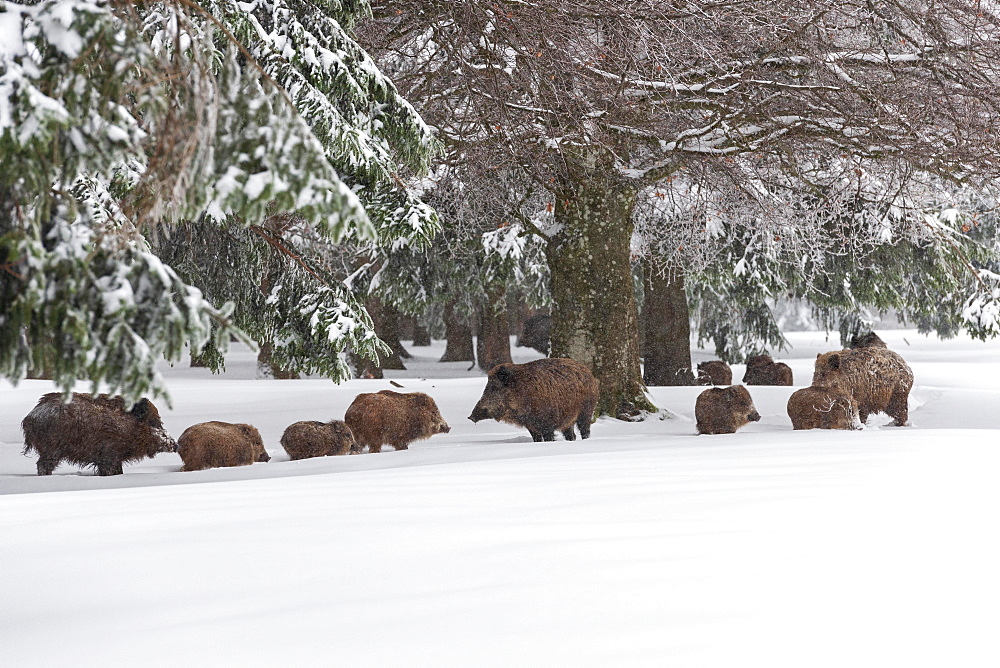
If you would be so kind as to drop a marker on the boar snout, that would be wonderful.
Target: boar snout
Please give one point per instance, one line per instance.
(754, 417)
(479, 414)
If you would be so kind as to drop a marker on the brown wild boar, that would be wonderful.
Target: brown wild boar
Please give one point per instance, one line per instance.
(762, 370)
(822, 408)
(544, 396)
(216, 444)
(302, 440)
(93, 430)
(393, 418)
(723, 410)
(877, 379)
(715, 372)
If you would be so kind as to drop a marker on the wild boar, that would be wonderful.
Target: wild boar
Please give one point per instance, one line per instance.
(877, 379)
(822, 408)
(715, 372)
(762, 370)
(869, 340)
(218, 444)
(93, 430)
(393, 418)
(302, 440)
(544, 396)
(723, 410)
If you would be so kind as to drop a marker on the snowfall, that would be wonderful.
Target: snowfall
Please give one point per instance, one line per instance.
(645, 545)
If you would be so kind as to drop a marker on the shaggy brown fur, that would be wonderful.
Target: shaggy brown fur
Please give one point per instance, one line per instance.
(762, 370)
(723, 410)
(93, 430)
(393, 418)
(715, 372)
(822, 408)
(317, 439)
(214, 444)
(877, 379)
(869, 340)
(544, 396)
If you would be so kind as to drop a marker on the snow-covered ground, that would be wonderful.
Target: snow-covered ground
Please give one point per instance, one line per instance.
(645, 545)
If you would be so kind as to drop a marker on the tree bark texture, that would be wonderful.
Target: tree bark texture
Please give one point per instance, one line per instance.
(267, 368)
(458, 331)
(667, 325)
(421, 334)
(595, 319)
(386, 321)
(493, 340)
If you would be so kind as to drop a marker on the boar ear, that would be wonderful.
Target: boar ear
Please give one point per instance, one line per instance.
(141, 409)
(505, 375)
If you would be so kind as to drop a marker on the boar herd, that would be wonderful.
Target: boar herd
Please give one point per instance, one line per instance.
(847, 386)
(543, 396)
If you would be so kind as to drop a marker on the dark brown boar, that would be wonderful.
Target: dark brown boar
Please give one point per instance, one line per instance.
(822, 408)
(302, 440)
(544, 396)
(715, 372)
(216, 444)
(93, 430)
(762, 370)
(869, 340)
(877, 379)
(393, 418)
(723, 410)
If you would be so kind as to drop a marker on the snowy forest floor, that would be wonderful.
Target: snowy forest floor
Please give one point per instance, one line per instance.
(644, 545)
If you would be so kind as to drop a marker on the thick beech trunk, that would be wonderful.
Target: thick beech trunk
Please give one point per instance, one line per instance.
(493, 340)
(595, 316)
(459, 334)
(267, 368)
(421, 334)
(668, 335)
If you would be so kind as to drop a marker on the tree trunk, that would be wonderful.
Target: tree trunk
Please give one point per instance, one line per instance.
(459, 335)
(595, 320)
(421, 334)
(493, 341)
(668, 335)
(386, 321)
(267, 369)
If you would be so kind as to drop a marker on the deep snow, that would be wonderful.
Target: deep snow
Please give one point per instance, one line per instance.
(644, 545)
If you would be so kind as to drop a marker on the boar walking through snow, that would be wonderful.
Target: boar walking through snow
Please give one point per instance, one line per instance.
(723, 410)
(393, 418)
(216, 444)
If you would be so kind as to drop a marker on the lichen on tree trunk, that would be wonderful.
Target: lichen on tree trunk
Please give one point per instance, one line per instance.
(668, 332)
(595, 319)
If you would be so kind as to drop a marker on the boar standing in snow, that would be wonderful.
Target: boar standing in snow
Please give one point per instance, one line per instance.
(93, 430)
(216, 444)
(877, 379)
(317, 439)
(822, 408)
(762, 370)
(724, 410)
(544, 396)
(715, 372)
(393, 418)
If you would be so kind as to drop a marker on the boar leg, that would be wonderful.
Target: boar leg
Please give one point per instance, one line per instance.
(898, 409)
(375, 448)
(401, 446)
(46, 465)
(569, 434)
(109, 467)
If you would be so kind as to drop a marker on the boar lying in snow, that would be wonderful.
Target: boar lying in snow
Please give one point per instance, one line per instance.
(302, 440)
(822, 408)
(762, 370)
(544, 396)
(216, 444)
(877, 379)
(723, 410)
(393, 418)
(715, 372)
(93, 430)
